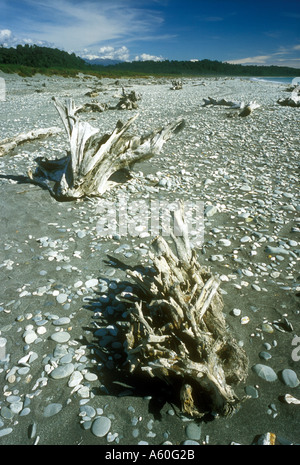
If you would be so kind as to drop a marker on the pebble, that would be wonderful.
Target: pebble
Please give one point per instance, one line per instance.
(290, 378)
(251, 391)
(5, 431)
(88, 411)
(91, 283)
(193, 431)
(225, 242)
(190, 442)
(265, 372)
(64, 320)
(267, 328)
(62, 371)
(276, 250)
(101, 426)
(29, 336)
(52, 409)
(62, 298)
(60, 336)
(265, 355)
(75, 379)
(236, 312)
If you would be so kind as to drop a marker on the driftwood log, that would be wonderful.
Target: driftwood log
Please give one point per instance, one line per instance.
(293, 100)
(246, 109)
(128, 101)
(176, 85)
(92, 107)
(178, 332)
(93, 156)
(7, 145)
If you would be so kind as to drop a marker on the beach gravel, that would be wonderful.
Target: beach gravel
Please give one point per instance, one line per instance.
(65, 294)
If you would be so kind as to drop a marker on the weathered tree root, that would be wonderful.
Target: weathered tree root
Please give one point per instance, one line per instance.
(178, 332)
(95, 157)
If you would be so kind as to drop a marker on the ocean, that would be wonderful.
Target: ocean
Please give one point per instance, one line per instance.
(282, 80)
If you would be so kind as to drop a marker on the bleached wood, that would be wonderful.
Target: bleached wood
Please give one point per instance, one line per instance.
(246, 109)
(93, 156)
(9, 144)
(178, 331)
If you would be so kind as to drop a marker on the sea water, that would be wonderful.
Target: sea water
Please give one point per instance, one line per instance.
(280, 80)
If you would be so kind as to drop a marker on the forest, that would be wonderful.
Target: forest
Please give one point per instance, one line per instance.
(27, 60)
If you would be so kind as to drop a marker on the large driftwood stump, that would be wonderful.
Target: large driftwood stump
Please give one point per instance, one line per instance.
(93, 156)
(178, 332)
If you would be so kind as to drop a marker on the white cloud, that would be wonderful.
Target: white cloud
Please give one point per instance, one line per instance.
(5, 35)
(9, 39)
(284, 56)
(107, 53)
(147, 57)
(261, 60)
(73, 25)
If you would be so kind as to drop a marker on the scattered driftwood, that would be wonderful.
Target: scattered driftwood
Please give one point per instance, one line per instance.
(93, 156)
(92, 93)
(246, 109)
(7, 145)
(176, 85)
(178, 332)
(91, 107)
(222, 102)
(293, 100)
(128, 101)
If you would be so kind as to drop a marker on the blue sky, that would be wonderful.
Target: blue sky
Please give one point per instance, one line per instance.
(239, 31)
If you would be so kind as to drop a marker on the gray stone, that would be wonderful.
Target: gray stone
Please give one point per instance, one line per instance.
(265, 355)
(210, 211)
(16, 407)
(91, 282)
(6, 413)
(276, 250)
(64, 320)
(52, 409)
(225, 242)
(101, 426)
(61, 337)
(88, 410)
(251, 391)
(62, 298)
(5, 432)
(190, 442)
(62, 371)
(290, 378)
(265, 372)
(193, 431)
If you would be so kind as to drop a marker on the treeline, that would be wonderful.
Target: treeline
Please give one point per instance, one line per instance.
(201, 67)
(39, 57)
(29, 59)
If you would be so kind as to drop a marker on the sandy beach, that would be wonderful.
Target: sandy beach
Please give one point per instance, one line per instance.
(62, 277)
